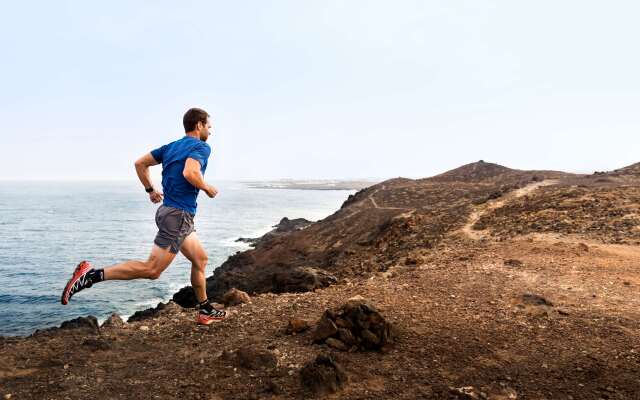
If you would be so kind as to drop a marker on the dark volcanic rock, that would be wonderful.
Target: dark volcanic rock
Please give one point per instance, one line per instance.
(357, 324)
(285, 225)
(337, 344)
(325, 328)
(323, 375)
(153, 312)
(251, 279)
(89, 323)
(290, 225)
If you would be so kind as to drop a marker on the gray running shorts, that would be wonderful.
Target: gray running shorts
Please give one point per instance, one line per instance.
(174, 225)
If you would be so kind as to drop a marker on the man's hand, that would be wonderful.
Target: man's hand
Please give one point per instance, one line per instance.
(155, 196)
(211, 191)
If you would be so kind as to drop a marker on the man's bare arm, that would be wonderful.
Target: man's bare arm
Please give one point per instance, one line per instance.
(193, 175)
(142, 169)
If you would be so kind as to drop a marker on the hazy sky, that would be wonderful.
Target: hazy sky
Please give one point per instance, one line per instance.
(319, 89)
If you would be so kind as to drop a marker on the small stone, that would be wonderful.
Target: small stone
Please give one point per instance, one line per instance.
(144, 328)
(344, 323)
(297, 325)
(370, 337)
(234, 297)
(7, 396)
(324, 329)
(336, 344)
(346, 337)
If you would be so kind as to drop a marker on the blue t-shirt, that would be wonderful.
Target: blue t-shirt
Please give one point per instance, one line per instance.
(178, 192)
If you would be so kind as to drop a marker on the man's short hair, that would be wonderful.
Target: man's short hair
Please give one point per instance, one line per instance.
(192, 117)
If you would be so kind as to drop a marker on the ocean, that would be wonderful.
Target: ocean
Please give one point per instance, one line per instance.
(47, 228)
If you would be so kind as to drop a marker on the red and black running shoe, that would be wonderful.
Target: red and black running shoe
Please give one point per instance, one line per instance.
(209, 317)
(78, 281)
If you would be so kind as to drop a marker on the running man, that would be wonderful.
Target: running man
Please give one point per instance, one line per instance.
(183, 165)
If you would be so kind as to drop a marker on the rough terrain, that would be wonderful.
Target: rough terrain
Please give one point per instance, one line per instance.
(501, 284)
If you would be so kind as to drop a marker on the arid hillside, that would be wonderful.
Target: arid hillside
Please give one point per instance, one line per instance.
(498, 283)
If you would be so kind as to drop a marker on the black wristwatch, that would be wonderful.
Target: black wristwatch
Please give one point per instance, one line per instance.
(149, 189)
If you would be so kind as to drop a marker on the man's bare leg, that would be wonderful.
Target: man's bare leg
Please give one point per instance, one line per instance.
(192, 249)
(158, 261)
(85, 275)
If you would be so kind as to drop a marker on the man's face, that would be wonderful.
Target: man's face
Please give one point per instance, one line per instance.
(204, 130)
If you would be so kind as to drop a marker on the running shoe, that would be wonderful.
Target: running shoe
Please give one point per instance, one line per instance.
(78, 281)
(209, 317)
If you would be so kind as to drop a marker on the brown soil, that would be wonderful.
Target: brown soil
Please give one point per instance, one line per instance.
(521, 311)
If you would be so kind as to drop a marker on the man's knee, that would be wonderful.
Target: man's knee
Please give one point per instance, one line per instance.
(201, 262)
(154, 273)
(154, 269)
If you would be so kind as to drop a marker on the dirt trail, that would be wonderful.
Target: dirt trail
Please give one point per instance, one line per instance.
(375, 204)
(494, 204)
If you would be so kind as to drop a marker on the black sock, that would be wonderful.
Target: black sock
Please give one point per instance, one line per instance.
(96, 275)
(206, 306)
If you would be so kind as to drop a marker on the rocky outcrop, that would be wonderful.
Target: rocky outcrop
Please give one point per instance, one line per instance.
(161, 308)
(252, 279)
(87, 324)
(285, 225)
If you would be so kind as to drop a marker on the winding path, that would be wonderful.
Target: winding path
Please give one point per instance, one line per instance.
(497, 203)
